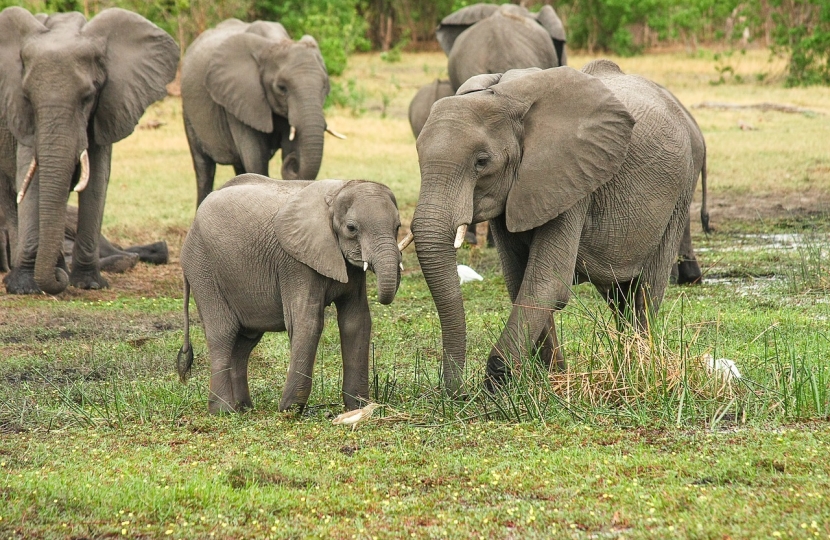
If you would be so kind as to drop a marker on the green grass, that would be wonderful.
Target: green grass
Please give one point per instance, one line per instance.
(636, 439)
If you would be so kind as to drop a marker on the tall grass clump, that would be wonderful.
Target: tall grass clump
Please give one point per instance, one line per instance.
(811, 271)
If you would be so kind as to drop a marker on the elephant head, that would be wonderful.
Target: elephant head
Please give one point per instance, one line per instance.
(330, 223)
(457, 22)
(524, 146)
(279, 78)
(69, 85)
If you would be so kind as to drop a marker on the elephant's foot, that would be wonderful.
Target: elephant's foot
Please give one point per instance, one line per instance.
(217, 405)
(118, 263)
(87, 278)
(497, 373)
(156, 253)
(291, 403)
(688, 273)
(21, 281)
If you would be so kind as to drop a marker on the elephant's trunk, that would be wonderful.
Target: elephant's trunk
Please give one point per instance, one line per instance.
(434, 229)
(55, 170)
(310, 127)
(387, 270)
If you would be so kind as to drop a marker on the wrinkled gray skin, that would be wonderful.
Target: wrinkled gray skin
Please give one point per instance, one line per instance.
(301, 247)
(422, 102)
(585, 174)
(243, 87)
(487, 38)
(69, 85)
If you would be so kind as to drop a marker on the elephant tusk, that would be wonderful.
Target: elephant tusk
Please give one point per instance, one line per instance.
(365, 266)
(27, 180)
(292, 133)
(84, 180)
(335, 133)
(459, 235)
(406, 241)
(401, 265)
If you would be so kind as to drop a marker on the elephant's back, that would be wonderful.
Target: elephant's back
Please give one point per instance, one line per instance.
(499, 43)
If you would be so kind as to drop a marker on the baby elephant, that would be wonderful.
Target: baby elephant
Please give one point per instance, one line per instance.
(269, 255)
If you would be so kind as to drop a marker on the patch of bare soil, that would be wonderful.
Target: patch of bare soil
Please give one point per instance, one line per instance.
(728, 207)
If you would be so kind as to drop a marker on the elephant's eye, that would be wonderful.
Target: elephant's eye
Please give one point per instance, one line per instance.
(351, 228)
(282, 88)
(482, 162)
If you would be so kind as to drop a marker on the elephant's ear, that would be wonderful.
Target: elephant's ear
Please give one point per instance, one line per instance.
(141, 59)
(550, 21)
(453, 24)
(15, 111)
(233, 80)
(304, 229)
(485, 81)
(576, 137)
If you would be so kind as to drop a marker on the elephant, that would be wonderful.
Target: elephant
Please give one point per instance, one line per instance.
(579, 173)
(69, 90)
(248, 90)
(422, 102)
(111, 257)
(488, 38)
(301, 246)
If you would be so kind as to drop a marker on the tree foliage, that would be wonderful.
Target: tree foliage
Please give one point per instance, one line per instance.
(799, 29)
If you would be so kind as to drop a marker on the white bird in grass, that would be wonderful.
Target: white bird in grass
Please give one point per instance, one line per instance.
(723, 367)
(352, 418)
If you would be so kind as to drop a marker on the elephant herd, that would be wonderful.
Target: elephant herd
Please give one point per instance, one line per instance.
(582, 176)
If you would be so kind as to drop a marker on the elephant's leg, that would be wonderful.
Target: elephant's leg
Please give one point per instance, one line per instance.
(305, 326)
(627, 301)
(514, 250)
(252, 147)
(355, 324)
(112, 259)
(21, 278)
(203, 165)
(688, 270)
(156, 253)
(545, 288)
(86, 273)
(241, 352)
(239, 169)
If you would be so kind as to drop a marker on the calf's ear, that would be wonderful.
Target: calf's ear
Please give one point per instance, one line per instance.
(304, 230)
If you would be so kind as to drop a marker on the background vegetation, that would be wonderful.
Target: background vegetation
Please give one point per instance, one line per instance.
(798, 30)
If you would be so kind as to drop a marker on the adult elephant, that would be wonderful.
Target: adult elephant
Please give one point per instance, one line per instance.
(248, 90)
(488, 38)
(69, 90)
(585, 174)
(422, 102)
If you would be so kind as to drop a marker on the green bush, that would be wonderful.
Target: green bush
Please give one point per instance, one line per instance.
(335, 24)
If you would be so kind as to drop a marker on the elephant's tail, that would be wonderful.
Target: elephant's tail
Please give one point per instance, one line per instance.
(185, 359)
(704, 210)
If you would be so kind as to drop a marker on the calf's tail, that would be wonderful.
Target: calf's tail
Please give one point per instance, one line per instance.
(185, 359)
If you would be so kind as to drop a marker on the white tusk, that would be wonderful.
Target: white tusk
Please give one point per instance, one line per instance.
(365, 266)
(459, 236)
(292, 133)
(406, 241)
(27, 180)
(84, 180)
(401, 265)
(336, 134)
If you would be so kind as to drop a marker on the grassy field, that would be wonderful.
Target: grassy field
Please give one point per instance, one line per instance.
(98, 439)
